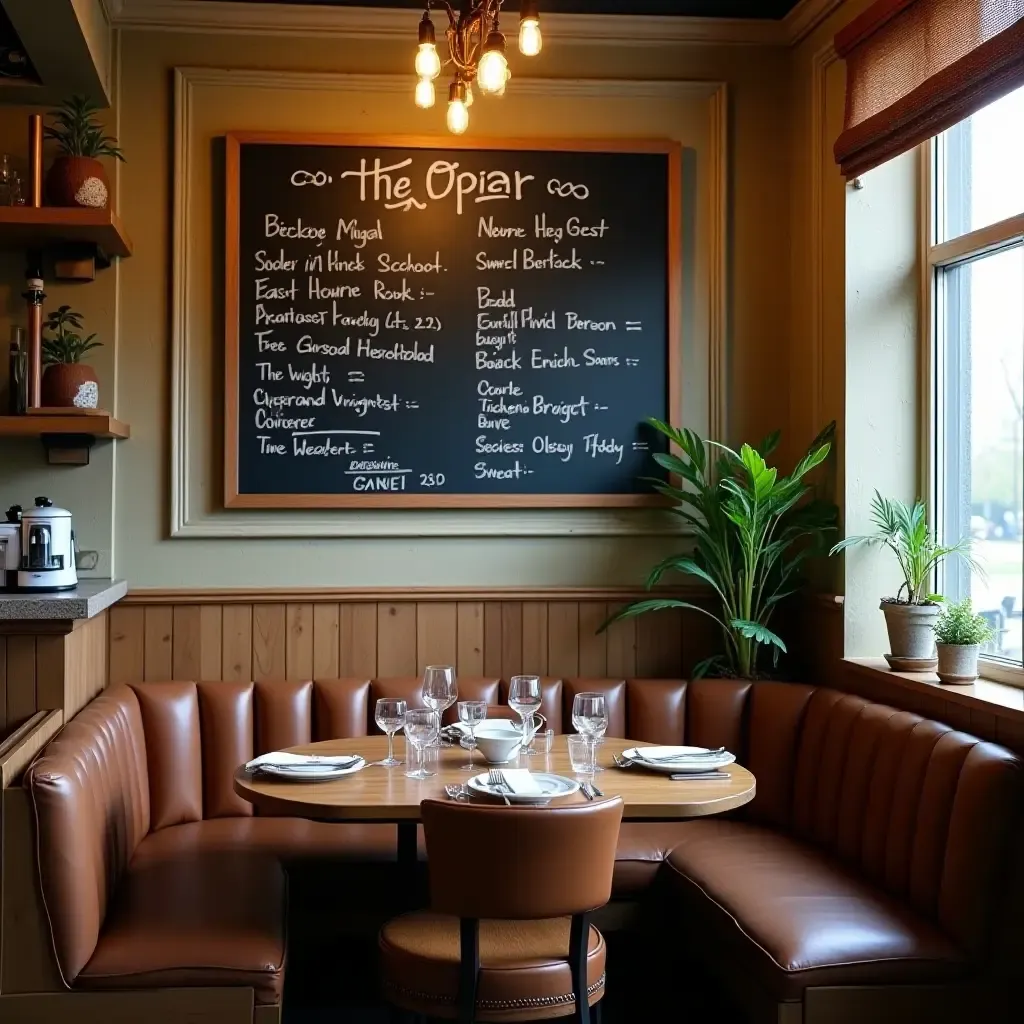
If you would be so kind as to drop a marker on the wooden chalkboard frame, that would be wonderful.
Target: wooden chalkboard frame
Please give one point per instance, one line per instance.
(233, 143)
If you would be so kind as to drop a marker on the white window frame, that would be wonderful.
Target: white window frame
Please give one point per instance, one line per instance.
(935, 257)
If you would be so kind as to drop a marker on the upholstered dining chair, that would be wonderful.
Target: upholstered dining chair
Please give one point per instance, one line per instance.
(508, 934)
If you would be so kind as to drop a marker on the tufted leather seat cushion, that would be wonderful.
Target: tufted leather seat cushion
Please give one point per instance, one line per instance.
(790, 917)
(523, 970)
(194, 919)
(289, 839)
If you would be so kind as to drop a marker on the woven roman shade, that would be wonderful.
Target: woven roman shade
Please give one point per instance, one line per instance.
(917, 67)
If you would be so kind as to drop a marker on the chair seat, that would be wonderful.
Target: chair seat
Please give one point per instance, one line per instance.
(524, 973)
(201, 919)
(780, 911)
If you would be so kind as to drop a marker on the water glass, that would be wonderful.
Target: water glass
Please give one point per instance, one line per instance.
(439, 690)
(524, 697)
(590, 718)
(390, 715)
(471, 714)
(579, 755)
(420, 731)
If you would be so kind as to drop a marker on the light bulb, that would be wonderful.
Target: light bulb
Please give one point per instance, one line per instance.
(492, 71)
(458, 116)
(424, 94)
(530, 41)
(428, 63)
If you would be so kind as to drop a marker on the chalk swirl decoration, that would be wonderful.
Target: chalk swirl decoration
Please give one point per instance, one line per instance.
(564, 189)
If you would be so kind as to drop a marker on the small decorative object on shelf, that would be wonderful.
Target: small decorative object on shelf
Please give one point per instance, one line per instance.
(17, 379)
(35, 160)
(77, 178)
(34, 297)
(959, 634)
(68, 381)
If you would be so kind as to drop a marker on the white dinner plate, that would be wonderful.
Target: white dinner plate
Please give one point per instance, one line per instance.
(680, 763)
(551, 786)
(310, 772)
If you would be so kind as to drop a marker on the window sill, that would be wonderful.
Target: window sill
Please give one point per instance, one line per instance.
(983, 695)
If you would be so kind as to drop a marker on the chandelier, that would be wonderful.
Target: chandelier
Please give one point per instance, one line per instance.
(476, 50)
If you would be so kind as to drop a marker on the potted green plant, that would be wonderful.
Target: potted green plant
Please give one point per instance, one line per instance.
(959, 634)
(67, 381)
(753, 531)
(909, 616)
(77, 178)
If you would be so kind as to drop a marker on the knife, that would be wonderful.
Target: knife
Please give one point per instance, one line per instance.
(697, 776)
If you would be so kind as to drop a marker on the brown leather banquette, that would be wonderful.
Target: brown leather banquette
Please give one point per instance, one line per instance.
(870, 857)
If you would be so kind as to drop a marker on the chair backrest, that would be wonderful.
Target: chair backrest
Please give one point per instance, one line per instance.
(541, 861)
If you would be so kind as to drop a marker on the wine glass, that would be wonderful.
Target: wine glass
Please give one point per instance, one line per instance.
(590, 718)
(389, 714)
(420, 732)
(439, 692)
(471, 714)
(524, 698)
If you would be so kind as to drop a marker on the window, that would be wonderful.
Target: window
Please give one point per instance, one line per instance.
(976, 257)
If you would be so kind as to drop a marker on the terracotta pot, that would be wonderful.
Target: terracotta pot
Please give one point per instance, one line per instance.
(70, 384)
(910, 629)
(78, 181)
(958, 663)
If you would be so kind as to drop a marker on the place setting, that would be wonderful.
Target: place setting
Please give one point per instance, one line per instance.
(679, 763)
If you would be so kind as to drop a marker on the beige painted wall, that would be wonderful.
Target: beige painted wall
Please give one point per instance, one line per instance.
(132, 304)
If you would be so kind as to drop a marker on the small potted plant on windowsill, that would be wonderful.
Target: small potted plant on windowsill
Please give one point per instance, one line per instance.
(959, 634)
(68, 381)
(77, 178)
(910, 616)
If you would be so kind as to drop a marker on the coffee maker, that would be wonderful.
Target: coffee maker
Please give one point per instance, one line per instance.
(47, 549)
(10, 548)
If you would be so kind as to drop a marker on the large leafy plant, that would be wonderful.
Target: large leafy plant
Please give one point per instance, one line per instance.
(66, 345)
(76, 131)
(753, 532)
(904, 530)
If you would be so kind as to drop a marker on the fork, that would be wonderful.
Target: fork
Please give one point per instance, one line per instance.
(496, 780)
(684, 757)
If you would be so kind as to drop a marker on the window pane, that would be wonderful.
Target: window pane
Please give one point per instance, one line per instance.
(983, 413)
(983, 159)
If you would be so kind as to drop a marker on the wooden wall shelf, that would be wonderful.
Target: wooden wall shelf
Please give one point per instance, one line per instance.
(55, 227)
(96, 424)
(68, 435)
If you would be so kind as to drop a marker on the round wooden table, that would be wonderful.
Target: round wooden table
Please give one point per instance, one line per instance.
(378, 794)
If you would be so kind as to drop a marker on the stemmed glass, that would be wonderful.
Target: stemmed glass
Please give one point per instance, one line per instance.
(439, 692)
(471, 714)
(390, 715)
(590, 718)
(525, 699)
(420, 732)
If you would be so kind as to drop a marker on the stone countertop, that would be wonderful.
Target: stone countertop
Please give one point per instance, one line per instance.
(88, 599)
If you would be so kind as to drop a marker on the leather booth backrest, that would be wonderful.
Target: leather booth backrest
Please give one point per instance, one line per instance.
(90, 789)
(922, 810)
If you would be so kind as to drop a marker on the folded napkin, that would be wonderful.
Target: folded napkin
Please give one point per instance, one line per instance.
(521, 782)
(306, 762)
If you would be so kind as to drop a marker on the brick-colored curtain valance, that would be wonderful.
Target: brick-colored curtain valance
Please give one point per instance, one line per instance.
(917, 67)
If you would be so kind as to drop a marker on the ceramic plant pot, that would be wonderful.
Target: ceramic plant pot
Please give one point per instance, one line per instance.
(910, 629)
(958, 663)
(70, 385)
(78, 181)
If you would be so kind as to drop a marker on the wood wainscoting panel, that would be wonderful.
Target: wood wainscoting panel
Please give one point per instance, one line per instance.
(302, 634)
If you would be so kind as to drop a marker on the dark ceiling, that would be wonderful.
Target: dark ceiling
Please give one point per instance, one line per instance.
(690, 8)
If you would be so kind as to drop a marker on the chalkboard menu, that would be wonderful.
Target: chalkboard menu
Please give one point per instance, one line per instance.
(409, 325)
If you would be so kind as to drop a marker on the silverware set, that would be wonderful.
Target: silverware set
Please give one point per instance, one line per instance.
(589, 790)
(496, 780)
(625, 762)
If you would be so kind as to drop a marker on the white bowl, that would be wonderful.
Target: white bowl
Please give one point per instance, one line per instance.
(498, 741)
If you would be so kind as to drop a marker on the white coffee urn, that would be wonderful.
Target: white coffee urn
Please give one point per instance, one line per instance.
(47, 548)
(10, 548)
